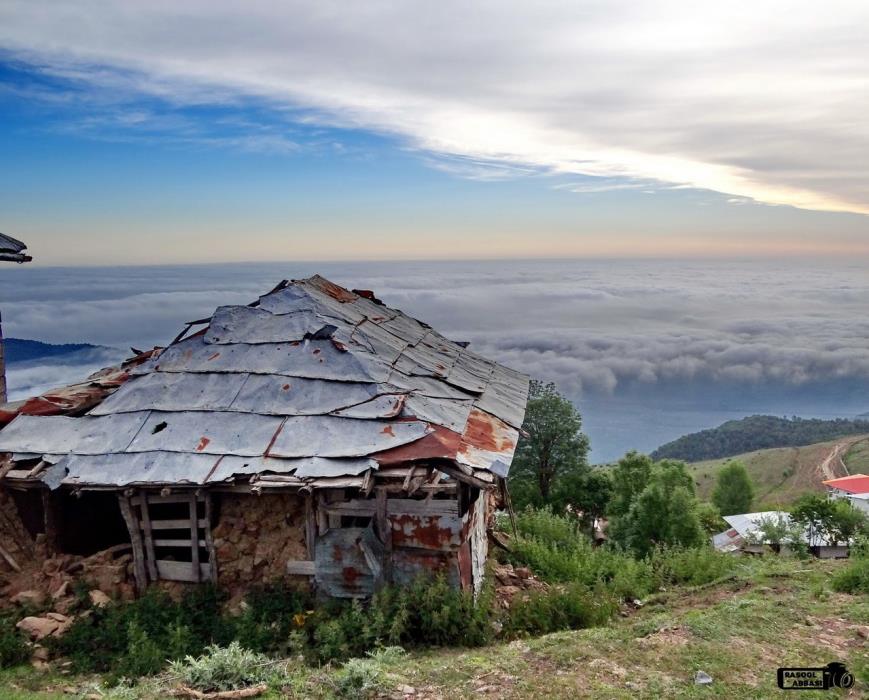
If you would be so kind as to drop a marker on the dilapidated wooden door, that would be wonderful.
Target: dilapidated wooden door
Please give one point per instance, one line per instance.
(171, 536)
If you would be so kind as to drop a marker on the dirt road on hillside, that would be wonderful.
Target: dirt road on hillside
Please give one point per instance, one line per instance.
(833, 466)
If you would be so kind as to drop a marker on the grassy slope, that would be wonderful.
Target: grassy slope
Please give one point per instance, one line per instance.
(772, 612)
(783, 474)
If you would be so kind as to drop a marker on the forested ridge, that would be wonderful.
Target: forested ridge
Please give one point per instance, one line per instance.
(757, 433)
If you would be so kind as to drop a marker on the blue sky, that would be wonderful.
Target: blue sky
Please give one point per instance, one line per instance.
(225, 133)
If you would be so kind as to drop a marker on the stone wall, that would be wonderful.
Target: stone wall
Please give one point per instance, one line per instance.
(256, 535)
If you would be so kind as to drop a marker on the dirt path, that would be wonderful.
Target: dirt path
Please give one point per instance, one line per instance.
(833, 462)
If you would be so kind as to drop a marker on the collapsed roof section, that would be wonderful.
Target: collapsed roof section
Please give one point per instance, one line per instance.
(310, 382)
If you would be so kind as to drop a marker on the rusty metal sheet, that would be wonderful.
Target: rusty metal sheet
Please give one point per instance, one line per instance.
(174, 391)
(505, 396)
(380, 341)
(122, 469)
(330, 436)
(470, 372)
(243, 434)
(315, 359)
(297, 396)
(65, 434)
(341, 567)
(427, 386)
(288, 300)
(383, 406)
(408, 329)
(307, 467)
(246, 324)
(439, 532)
(449, 413)
(408, 565)
(487, 443)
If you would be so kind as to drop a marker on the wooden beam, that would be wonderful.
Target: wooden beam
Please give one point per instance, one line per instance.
(179, 524)
(310, 525)
(136, 540)
(194, 540)
(180, 571)
(300, 567)
(209, 540)
(145, 519)
(171, 498)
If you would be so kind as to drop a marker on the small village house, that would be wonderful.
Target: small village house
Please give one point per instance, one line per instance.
(314, 435)
(853, 488)
(744, 535)
(11, 250)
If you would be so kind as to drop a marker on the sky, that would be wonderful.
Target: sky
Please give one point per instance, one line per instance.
(647, 349)
(197, 132)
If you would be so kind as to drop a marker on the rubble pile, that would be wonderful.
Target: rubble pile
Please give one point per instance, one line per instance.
(510, 582)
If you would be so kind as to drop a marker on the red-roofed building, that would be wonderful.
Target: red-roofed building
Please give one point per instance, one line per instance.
(856, 483)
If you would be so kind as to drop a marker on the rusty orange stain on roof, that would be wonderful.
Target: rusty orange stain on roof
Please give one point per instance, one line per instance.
(203, 443)
(214, 356)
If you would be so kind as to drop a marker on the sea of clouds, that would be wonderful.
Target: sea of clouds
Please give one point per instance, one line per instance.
(649, 349)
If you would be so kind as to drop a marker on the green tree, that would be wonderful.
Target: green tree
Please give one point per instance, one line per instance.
(552, 447)
(586, 492)
(710, 518)
(846, 522)
(630, 476)
(662, 508)
(814, 512)
(734, 491)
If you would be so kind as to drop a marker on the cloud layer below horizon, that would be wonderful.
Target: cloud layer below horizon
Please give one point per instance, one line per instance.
(591, 326)
(763, 101)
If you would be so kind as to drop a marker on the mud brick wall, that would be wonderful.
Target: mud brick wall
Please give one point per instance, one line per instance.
(14, 538)
(255, 536)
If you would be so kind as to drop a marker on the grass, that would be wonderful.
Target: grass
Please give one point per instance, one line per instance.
(769, 612)
(783, 474)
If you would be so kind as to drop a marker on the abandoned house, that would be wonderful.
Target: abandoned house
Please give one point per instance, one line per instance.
(314, 435)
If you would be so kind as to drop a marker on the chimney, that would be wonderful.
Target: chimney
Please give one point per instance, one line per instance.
(11, 250)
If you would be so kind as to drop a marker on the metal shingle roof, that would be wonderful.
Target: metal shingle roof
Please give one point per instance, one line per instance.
(311, 372)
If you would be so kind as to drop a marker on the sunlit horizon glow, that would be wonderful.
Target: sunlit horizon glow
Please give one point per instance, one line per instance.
(220, 131)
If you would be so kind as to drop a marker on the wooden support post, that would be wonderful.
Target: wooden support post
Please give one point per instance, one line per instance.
(150, 555)
(136, 540)
(209, 540)
(310, 525)
(322, 518)
(384, 532)
(334, 520)
(194, 539)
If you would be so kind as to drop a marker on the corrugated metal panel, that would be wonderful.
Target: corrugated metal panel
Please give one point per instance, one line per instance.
(449, 413)
(169, 391)
(341, 568)
(315, 359)
(307, 467)
(322, 467)
(487, 443)
(64, 434)
(384, 406)
(408, 565)
(427, 386)
(246, 324)
(408, 329)
(386, 345)
(329, 436)
(140, 468)
(295, 396)
(441, 532)
(505, 396)
(244, 434)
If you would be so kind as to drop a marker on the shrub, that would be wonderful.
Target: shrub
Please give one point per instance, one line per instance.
(854, 578)
(559, 608)
(13, 650)
(367, 678)
(224, 668)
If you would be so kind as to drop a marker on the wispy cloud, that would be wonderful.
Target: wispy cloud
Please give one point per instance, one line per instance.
(761, 101)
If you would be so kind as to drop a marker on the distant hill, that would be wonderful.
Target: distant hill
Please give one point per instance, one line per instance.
(757, 433)
(783, 474)
(21, 350)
